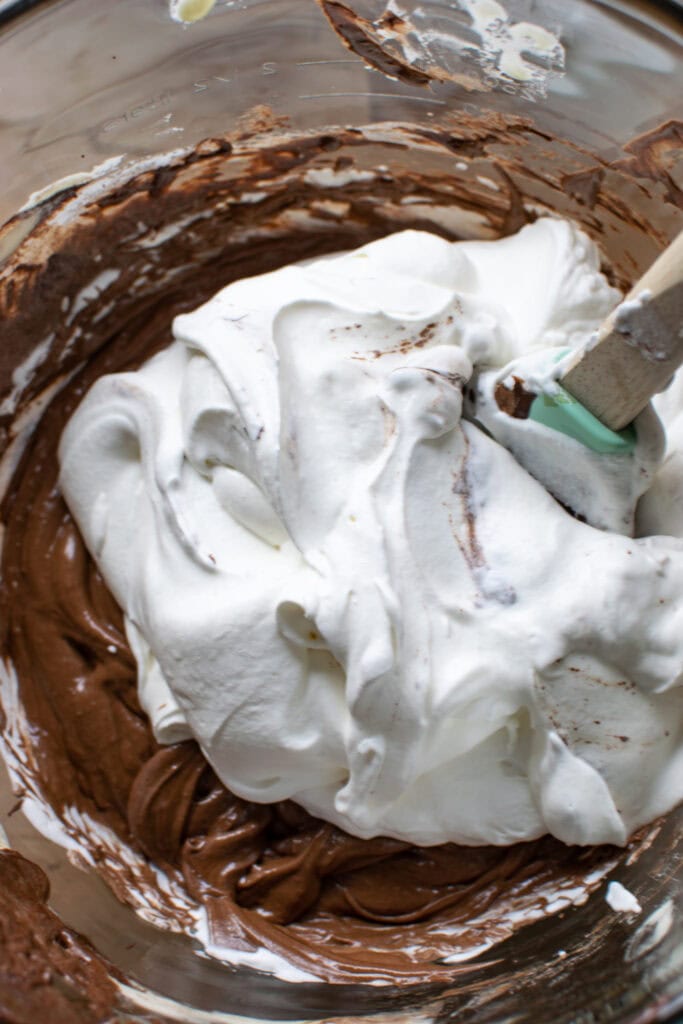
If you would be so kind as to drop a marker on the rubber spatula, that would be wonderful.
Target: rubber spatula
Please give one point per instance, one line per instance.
(636, 351)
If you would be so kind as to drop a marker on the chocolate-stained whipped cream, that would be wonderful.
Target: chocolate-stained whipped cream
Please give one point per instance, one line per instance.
(92, 290)
(355, 599)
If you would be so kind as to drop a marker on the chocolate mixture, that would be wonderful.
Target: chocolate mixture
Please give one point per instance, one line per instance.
(47, 971)
(96, 284)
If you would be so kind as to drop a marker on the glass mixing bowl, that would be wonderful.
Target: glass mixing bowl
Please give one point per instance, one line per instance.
(85, 81)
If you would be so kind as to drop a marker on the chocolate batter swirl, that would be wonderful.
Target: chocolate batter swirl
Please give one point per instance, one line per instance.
(332, 903)
(47, 972)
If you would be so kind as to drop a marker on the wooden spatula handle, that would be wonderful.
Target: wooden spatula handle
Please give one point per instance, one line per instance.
(639, 347)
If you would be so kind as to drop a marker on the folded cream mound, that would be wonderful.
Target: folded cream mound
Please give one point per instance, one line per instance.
(354, 598)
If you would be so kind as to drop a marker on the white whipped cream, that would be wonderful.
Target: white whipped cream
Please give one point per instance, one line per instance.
(621, 899)
(356, 599)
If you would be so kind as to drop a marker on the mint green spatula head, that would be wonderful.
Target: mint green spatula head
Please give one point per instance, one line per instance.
(562, 412)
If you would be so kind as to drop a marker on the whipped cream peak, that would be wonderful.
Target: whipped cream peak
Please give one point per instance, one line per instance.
(350, 594)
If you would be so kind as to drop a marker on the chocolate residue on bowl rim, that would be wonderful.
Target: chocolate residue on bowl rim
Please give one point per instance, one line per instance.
(480, 50)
